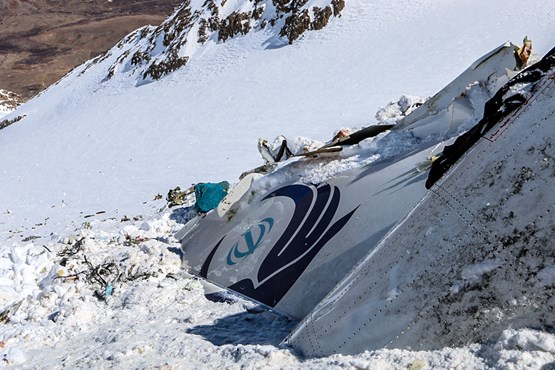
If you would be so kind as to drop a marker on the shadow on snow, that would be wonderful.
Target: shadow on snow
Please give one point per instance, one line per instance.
(246, 328)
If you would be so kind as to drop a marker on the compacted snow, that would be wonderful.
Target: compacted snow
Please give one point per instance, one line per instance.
(90, 273)
(157, 317)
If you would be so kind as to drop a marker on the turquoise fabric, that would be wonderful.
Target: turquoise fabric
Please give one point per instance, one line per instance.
(209, 195)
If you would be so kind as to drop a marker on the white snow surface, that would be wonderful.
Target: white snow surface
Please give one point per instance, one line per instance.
(90, 153)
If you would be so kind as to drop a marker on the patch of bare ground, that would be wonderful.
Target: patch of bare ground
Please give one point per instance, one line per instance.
(42, 40)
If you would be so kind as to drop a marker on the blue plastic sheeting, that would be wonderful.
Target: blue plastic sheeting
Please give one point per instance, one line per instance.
(209, 195)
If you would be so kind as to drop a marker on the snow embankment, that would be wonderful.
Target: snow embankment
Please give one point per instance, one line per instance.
(60, 312)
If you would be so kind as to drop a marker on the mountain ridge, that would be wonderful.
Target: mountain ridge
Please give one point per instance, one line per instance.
(153, 52)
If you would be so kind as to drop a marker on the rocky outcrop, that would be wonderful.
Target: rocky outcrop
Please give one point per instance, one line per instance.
(9, 100)
(153, 52)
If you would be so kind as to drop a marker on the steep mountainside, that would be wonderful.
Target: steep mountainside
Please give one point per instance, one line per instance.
(152, 52)
(42, 40)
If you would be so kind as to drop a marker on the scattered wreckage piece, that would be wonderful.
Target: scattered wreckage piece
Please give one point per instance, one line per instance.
(357, 136)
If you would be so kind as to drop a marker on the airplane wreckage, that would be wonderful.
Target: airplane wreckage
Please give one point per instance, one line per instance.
(446, 242)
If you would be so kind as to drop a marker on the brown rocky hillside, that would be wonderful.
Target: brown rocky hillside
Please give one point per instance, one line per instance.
(41, 40)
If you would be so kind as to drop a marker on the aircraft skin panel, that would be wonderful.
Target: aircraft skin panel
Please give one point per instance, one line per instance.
(297, 234)
(467, 262)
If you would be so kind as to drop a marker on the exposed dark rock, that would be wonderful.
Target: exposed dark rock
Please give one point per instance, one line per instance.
(163, 53)
(5, 123)
(321, 17)
(235, 24)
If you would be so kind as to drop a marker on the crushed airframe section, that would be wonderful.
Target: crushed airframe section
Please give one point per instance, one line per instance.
(292, 244)
(474, 257)
(451, 106)
(507, 99)
(286, 243)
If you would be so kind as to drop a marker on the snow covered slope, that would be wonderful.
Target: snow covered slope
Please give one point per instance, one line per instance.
(89, 144)
(151, 53)
(91, 150)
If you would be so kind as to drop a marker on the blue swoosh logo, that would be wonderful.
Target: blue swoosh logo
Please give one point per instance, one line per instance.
(309, 230)
(236, 255)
